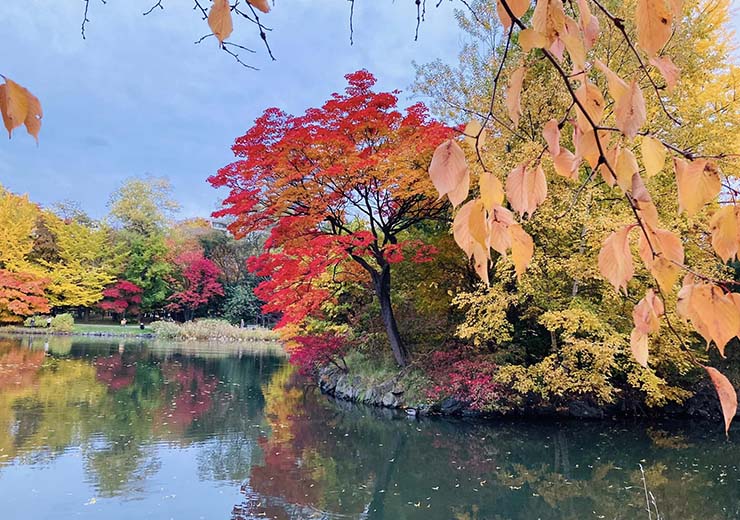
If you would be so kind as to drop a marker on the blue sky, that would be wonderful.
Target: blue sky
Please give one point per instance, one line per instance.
(138, 97)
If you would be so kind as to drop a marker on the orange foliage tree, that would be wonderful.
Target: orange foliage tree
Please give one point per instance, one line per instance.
(21, 294)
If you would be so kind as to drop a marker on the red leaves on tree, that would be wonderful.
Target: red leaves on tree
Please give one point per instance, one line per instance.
(21, 294)
(122, 297)
(337, 183)
(199, 282)
(312, 352)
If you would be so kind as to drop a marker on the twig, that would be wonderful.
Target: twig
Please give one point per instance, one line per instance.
(152, 8)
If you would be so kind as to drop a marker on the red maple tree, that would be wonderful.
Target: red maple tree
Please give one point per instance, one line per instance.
(342, 181)
(198, 283)
(21, 294)
(122, 297)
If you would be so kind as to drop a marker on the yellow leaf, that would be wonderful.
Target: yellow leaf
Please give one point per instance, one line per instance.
(664, 259)
(629, 111)
(522, 248)
(526, 188)
(726, 393)
(653, 155)
(460, 193)
(518, 9)
(480, 262)
(626, 167)
(686, 307)
(698, 184)
(461, 227)
(475, 135)
(448, 167)
(667, 69)
(639, 347)
(643, 202)
(530, 39)
(513, 95)
(491, 190)
(617, 87)
(615, 259)
(573, 42)
(723, 318)
(219, 19)
(262, 5)
(724, 227)
(654, 19)
(479, 225)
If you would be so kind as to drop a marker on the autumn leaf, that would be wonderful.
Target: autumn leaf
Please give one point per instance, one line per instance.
(617, 87)
(480, 262)
(499, 221)
(551, 133)
(526, 188)
(262, 5)
(518, 9)
(724, 227)
(522, 248)
(629, 111)
(662, 254)
(548, 19)
(491, 190)
(646, 314)
(625, 168)
(654, 19)
(530, 39)
(566, 164)
(467, 224)
(615, 259)
(448, 167)
(653, 155)
(460, 193)
(726, 393)
(643, 203)
(698, 184)
(586, 145)
(513, 95)
(667, 69)
(573, 41)
(475, 135)
(713, 313)
(639, 347)
(589, 24)
(219, 19)
(590, 96)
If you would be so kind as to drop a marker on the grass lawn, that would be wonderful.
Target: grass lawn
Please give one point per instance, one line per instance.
(132, 329)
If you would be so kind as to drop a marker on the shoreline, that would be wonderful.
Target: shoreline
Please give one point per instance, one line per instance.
(46, 332)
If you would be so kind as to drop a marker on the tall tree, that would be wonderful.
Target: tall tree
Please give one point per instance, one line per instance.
(340, 182)
(197, 282)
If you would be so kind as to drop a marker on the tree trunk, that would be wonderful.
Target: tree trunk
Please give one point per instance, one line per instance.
(382, 283)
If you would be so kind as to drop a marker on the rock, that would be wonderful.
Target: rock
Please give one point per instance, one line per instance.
(585, 410)
(412, 412)
(451, 406)
(390, 400)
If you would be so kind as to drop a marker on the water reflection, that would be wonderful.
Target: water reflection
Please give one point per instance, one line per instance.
(191, 432)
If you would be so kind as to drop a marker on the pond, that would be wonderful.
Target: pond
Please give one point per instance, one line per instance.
(133, 430)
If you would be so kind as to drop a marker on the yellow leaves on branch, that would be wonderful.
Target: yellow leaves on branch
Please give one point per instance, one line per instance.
(698, 184)
(18, 106)
(526, 188)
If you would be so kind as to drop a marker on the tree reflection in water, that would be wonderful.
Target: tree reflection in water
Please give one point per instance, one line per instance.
(249, 426)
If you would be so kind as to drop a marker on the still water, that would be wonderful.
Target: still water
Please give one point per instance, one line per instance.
(132, 430)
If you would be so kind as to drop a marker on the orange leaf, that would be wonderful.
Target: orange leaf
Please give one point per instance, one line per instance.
(589, 24)
(615, 259)
(653, 19)
(566, 164)
(514, 94)
(460, 193)
(617, 86)
(480, 262)
(724, 227)
(530, 39)
(591, 98)
(667, 69)
(551, 133)
(518, 9)
(626, 167)
(262, 5)
(646, 314)
(526, 188)
(653, 155)
(639, 347)
(448, 167)
(698, 184)
(461, 229)
(491, 190)
(726, 393)
(14, 104)
(548, 19)
(643, 202)
(522, 248)
(629, 111)
(586, 145)
(498, 228)
(723, 318)
(472, 131)
(686, 306)
(665, 264)
(219, 19)
(573, 41)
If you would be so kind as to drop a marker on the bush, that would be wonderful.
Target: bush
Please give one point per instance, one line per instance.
(210, 330)
(35, 321)
(468, 380)
(63, 322)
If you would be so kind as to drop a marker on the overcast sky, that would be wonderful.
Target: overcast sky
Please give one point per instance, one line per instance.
(138, 97)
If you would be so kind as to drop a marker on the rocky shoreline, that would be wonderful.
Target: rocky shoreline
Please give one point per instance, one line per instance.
(391, 395)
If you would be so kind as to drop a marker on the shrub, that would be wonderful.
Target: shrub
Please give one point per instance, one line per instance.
(165, 329)
(63, 322)
(468, 379)
(314, 352)
(35, 321)
(210, 330)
